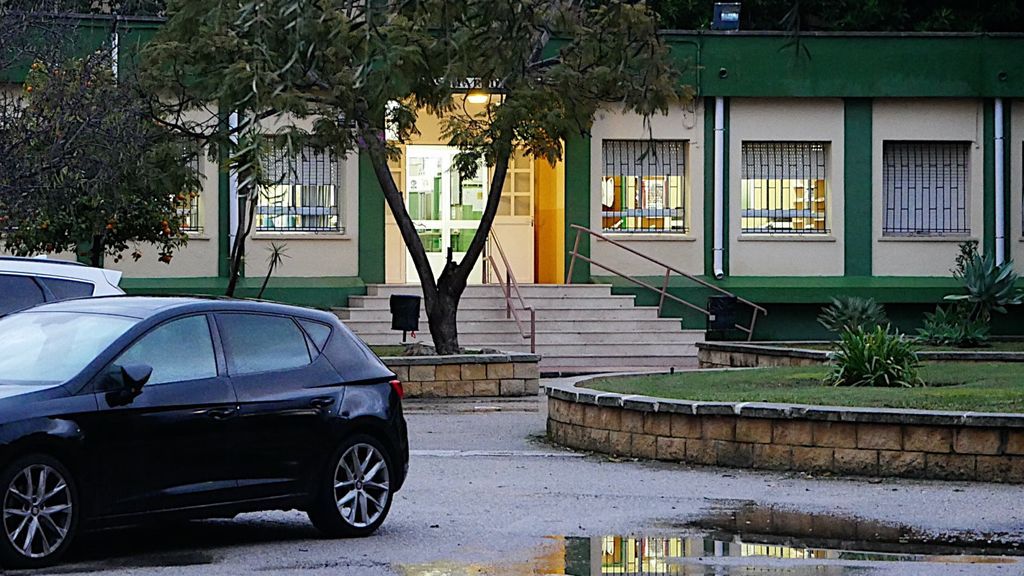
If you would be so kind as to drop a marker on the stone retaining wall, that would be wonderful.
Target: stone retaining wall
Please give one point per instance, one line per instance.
(467, 375)
(859, 441)
(750, 355)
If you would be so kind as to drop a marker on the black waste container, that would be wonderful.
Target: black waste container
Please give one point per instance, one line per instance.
(722, 310)
(405, 312)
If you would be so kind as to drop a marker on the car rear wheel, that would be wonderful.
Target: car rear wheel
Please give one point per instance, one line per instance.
(40, 511)
(354, 495)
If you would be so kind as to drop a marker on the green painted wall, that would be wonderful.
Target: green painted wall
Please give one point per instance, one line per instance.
(322, 292)
(577, 203)
(856, 65)
(858, 186)
(371, 224)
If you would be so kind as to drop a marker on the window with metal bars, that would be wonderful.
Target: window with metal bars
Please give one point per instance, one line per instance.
(925, 188)
(188, 203)
(784, 188)
(304, 196)
(643, 187)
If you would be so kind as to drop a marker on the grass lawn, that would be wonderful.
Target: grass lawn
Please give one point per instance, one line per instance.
(1009, 346)
(968, 386)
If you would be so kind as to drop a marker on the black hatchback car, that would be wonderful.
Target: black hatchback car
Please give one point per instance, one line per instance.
(123, 409)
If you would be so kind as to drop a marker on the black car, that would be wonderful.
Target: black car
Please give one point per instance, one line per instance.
(121, 409)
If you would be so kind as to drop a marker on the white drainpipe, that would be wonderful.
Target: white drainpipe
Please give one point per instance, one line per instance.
(719, 270)
(1000, 185)
(232, 189)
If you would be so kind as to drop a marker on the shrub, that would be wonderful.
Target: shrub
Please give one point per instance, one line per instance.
(952, 326)
(874, 358)
(989, 286)
(852, 313)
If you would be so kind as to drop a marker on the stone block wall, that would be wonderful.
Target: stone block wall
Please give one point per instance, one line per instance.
(467, 375)
(856, 441)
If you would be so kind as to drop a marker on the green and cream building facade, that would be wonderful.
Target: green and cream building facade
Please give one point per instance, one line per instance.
(849, 164)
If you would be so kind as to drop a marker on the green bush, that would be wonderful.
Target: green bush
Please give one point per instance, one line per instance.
(852, 313)
(874, 358)
(989, 286)
(952, 326)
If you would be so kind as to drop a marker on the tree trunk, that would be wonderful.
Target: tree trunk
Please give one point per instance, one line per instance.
(441, 297)
(246, 216)
(96, 251)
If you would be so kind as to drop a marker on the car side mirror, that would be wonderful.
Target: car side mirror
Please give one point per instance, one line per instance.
(129, 380)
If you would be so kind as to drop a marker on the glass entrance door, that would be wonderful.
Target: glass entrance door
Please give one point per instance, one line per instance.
(445, 208)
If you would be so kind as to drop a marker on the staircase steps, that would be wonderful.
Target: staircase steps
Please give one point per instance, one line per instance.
(580, 328)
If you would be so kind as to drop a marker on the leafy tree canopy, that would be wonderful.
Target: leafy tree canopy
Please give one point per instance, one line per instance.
(360, 70)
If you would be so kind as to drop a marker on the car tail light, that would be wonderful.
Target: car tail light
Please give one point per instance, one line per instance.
(396, 385)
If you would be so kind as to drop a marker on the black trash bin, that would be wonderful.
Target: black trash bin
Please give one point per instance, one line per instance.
(722, 312)
(405, 312)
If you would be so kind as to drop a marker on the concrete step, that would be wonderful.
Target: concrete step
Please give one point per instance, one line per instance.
(470, 313)
(528, 290)
(498, 302)
(544, 338)
(466, 326)
(634, 350)
(589, 363)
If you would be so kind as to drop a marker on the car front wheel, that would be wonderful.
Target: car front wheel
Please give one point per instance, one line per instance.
(354, 496)
(40, 511)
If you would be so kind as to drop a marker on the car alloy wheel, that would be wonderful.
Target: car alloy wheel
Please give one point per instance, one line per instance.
(362, 485)
(38, 511)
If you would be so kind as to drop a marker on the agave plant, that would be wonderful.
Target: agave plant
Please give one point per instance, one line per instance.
(850, 313)
(874, 358)
(990, 287)
(952, 326)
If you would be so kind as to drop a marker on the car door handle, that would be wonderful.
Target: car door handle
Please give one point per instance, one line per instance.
(321, 403)
(219, 413)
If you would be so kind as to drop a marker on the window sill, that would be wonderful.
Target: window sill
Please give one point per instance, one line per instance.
(197, 237)
(286, 235)
(785, 238)
(950, 238)
(648, 237)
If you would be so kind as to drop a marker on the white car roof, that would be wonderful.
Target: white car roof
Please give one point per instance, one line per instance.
(105, 281)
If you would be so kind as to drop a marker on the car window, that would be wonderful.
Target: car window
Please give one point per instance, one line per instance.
(178, 351)
(66, 289)
(258, 343)
(18, 292)
(52, 347)
(318, 332)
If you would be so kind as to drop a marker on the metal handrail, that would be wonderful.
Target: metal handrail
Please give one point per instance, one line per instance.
(507, 287)
(663, 291)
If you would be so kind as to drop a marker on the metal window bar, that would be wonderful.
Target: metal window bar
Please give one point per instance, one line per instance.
(304, 196)
(925, 188)
(643, 186)
(784, 188)
(189, 209)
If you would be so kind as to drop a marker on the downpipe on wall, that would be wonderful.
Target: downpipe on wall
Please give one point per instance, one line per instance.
(719, 216)
(1000, 185)
(232, 188)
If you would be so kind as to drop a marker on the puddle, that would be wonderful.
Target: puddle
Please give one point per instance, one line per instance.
(745, 539)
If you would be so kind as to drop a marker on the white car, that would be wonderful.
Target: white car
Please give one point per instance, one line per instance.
(25, 282)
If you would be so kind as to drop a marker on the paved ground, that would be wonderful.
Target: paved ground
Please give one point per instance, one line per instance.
(486, 495)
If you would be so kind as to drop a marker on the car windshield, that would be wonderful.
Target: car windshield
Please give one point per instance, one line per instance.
(38, 348)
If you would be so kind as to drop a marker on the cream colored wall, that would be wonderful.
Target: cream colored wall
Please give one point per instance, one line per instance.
(314, 253)
(920, 119)
(682, 251)
(1015, 185)
(784, 119)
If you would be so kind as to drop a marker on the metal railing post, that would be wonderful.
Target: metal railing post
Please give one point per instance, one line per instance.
(572, 261)
(664, 290)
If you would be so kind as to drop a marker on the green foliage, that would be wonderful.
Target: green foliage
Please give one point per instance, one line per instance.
(275, 258)
(852, 313)
(90, 171)
(990, 287)
(357, 75)
(874, 358)
(951, 326)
